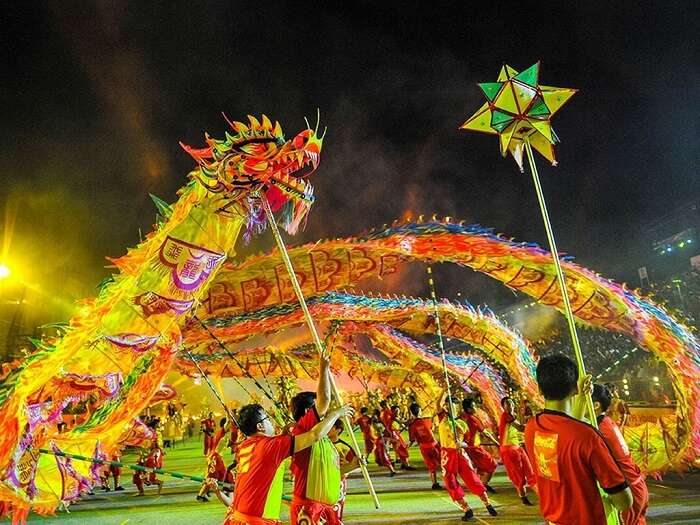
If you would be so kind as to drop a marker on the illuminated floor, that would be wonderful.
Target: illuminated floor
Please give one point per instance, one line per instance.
(406, 499)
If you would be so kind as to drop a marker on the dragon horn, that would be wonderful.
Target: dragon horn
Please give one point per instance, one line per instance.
(318, 121)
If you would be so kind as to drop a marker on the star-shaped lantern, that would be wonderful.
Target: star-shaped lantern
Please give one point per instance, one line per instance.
(518, 108)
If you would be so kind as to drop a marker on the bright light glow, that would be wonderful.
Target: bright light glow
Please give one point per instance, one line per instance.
(689, 241)
(682, 244)
(624, 380)
(656, 379)
(4, 271)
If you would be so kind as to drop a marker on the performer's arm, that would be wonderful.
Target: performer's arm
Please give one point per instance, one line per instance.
(323, 392)
(226, 499)
(585, 389)
(350, 466)
(305, 440)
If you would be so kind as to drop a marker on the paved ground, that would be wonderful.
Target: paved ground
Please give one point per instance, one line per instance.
(404, 500)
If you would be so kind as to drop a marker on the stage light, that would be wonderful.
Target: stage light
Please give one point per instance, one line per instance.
(656, 379)
(624, 380)
(689, 241)
(4, 271)
(682, 244)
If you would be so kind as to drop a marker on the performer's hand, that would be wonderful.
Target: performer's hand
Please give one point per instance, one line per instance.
(345, 410)
(585, 385)
(325, 359)
(212, 484)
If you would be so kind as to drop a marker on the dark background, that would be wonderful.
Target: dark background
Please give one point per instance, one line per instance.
(96, 95)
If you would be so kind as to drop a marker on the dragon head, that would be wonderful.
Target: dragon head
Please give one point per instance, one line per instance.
(258, 159)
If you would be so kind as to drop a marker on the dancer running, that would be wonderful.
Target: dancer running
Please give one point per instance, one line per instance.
(257, 497)
(514, 458)
(381, 451)
(570, 456)
(456, 463)
(483, 462)
(397, 441)
(420, 430)
(636, 514)
(208, 426)
(216, 468)
(365, 424)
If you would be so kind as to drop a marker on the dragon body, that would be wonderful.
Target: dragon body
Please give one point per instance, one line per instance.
(257, 285)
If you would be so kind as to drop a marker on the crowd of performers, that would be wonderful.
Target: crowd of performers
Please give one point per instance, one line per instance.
(553, 458)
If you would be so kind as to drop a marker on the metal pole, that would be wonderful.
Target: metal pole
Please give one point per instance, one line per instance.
(441, 344)
(314, 335)
(568, 312)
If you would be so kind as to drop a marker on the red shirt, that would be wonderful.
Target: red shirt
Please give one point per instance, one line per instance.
(474, 425)
(258, 490)
(387, 418)
(421, 431)
(618, 447)
(569, 456)
(300, 461)
(506, 435)
(365, 423)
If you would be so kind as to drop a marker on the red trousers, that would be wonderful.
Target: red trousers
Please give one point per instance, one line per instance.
(431, 456)
(456, 463)
(636, 514)
(369, 445)
(381, 456)
(481, 459)
(518, 466)
(399, 445)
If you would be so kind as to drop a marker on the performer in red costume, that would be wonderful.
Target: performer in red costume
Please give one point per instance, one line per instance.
(348, 462)
(381, 451)
(636, 514)
(455, 462)
(308, 409)
(514, 458)
(570, 455)
(396, 439)
(365, 424)
(483, 462)
(257, 497)
(216, 468)
(420, 430)
(208, 426)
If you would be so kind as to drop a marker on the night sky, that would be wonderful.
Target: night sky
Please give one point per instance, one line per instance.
(96, 96)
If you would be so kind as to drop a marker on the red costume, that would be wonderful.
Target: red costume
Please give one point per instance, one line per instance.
(304, 511)
(365, 424)
(398, 443)
(154, 460)
(481, 459)
(233, 438)
(570, 456)
(421, 431)
(515, 460)
(257, 497)
(635, 515)
(208, 428)
(456, 463)
(387, 418)
(346, 456)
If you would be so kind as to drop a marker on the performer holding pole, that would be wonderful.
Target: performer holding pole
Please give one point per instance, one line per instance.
(518, 110)
(314, 334)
